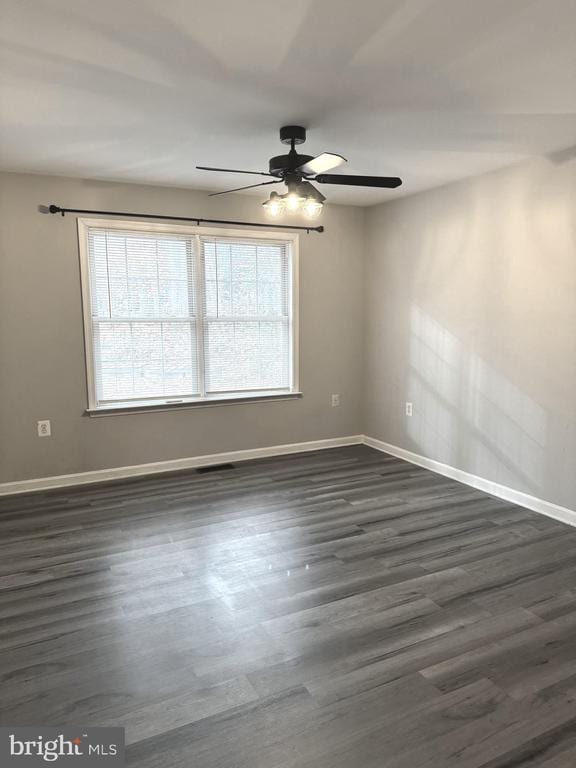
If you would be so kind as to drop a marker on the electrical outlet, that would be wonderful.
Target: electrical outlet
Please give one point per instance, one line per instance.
(408, 409)
(44, 428)
(335, 401)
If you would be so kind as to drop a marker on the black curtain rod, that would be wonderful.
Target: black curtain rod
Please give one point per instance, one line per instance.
(197, 219)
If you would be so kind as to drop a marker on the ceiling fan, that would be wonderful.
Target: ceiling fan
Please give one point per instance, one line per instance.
(296, 171)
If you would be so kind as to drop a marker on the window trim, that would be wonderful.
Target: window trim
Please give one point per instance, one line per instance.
(156, 404)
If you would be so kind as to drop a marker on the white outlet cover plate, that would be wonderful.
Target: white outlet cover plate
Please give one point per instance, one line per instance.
(44, 428)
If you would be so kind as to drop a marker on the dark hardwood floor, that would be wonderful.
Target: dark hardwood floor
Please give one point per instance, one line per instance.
(339, 609)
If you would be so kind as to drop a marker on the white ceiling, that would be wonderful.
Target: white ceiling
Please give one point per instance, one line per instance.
(144, 90)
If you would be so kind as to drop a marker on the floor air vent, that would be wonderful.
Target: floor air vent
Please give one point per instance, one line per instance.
(215, 468)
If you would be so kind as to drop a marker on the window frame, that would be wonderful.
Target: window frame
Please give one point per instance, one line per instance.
(290, 238)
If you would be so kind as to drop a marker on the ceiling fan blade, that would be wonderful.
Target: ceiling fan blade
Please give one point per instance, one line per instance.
(231, 170)
(250, 186)
(324, 162)
(388, 182)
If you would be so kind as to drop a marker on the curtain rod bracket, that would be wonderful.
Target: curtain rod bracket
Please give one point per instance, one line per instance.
(57, 209)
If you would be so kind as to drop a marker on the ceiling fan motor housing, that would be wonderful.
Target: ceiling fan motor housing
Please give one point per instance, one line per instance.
(286, 164)
(283, 164)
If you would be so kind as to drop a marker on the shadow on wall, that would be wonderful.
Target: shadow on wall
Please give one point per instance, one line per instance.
(469, 415)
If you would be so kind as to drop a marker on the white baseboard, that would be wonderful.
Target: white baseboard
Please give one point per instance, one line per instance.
(117, 473)
(547, 508)
(555, 511)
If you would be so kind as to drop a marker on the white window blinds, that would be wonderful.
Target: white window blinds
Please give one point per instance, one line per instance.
(246, 316)
(176, 317)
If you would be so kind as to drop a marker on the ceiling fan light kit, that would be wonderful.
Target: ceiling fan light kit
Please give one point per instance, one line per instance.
(301, 197)
(292, 203)
(296, 170)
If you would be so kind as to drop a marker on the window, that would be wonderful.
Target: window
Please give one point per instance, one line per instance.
(175, 315)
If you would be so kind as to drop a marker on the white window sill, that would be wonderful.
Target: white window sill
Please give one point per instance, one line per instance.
(146, 407)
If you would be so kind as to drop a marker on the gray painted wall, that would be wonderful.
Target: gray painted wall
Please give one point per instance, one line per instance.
(471, 315)
(467, 309)
(42, 373)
